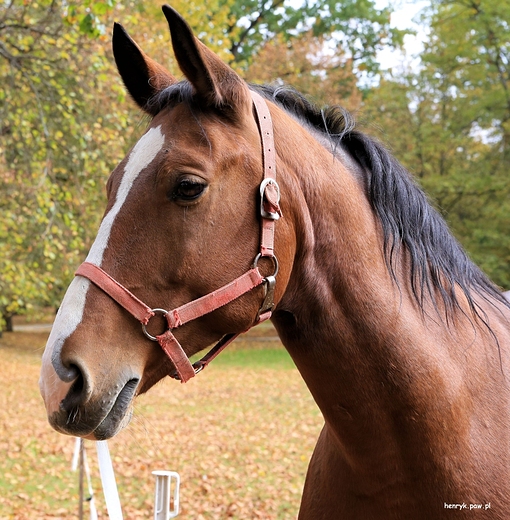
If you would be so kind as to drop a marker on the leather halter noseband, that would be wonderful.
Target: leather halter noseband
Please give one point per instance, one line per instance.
(269, 213)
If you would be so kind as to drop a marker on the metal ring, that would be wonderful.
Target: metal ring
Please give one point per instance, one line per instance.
(163, 312)
(273, 258)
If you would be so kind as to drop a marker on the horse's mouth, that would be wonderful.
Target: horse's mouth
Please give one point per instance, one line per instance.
(93, 422)
(119, 415)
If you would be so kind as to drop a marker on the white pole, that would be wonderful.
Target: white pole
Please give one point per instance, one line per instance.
(111, 494)
(74, 467)
(166, 498)
(93, 510)
(76, 454)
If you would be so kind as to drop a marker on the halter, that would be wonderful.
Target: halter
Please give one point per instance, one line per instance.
(269, 212)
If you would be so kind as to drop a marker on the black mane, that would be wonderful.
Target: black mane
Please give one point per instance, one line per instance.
(410, 225)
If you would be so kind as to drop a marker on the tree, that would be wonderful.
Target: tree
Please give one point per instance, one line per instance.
(56, 147)
(326, 77)
(356, 26)
(455, 113)
(470, 48)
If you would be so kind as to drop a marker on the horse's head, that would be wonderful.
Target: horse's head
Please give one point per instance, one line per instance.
(182, 220)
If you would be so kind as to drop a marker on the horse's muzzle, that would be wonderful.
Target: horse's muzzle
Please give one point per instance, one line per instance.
(100, 417)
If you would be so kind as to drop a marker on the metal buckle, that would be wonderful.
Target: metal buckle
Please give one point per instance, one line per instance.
(144, 327)
(269, 285)
(268, 303)
(198, 366)
(263, 185)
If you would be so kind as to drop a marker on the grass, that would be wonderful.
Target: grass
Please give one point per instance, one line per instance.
(274, 358)
(254, 353)
(240, 435)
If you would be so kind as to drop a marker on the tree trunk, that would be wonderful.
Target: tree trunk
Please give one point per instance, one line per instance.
(7, 318)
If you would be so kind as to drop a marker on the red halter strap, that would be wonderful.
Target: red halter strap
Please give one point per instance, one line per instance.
(269, 213)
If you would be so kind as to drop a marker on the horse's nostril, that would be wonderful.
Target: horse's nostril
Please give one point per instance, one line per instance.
(78, 393)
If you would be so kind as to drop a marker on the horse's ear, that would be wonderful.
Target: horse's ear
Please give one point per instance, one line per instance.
(214, 81)
(142, 76)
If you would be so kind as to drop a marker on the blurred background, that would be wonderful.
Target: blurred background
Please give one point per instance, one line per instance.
(429, 78)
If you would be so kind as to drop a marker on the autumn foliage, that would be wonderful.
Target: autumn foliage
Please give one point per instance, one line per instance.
(240, 436)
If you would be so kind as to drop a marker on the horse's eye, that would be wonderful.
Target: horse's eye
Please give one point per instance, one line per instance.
(188, 190)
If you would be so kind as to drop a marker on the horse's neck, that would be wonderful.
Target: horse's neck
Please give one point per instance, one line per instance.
(341, 301)
(364, 347)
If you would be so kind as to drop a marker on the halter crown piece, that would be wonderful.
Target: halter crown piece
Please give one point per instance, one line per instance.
(269, 213)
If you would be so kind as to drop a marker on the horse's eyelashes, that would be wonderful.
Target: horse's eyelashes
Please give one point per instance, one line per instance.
(188, 190)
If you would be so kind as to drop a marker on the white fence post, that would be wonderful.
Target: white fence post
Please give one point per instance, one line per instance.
(111, 495)
(166, 497)
(79, 447)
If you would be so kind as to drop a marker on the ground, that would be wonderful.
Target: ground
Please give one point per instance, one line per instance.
(240, 435)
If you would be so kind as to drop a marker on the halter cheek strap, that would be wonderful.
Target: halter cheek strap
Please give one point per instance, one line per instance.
(269, 213)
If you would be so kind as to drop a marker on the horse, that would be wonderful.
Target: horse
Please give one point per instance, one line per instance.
(242, 203)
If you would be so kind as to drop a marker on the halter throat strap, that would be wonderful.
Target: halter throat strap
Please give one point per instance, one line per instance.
(269, 213)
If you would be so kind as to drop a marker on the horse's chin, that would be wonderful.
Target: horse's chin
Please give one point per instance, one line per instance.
(110, 427)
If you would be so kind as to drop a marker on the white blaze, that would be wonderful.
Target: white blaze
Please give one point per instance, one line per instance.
(71, 310)
(142, 155)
